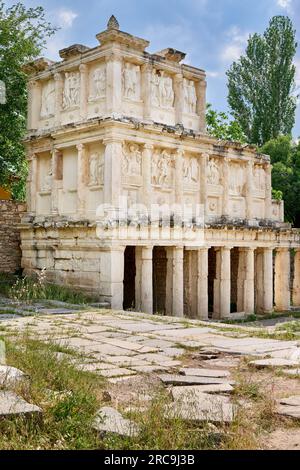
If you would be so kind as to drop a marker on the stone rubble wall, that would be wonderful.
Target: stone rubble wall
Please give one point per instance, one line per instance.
(10, 252)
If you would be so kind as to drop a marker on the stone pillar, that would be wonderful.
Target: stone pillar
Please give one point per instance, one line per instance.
(56, 180)
(296, 283)
(83, 90)
(249, 191)
(147, 279)
(138, 278)
(82, 179)
(59, 87)
(201, 103)
(264, 280)
(245, 291)
(112, 173)
(282, 280)
(32, 184)
(222, 283)
(147, 187)
(35, 102)
(202, 284)
(174, 289)
(203, 180)
(146, 90)
(112, 277)
(225, 211)
(114, 84)
(178, 85)
(268, 200)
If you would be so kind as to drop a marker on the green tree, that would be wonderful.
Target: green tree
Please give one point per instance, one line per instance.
(220, 125)
(261, 84)
(285, 158)
(23, 34)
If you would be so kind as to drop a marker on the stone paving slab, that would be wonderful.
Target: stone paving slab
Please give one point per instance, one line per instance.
(205, 372)
(289, 411)
(194, 390)
(291, 401)
(11, 405)
(109, 420)
(291, 372)
(274, 362)
(169, 379)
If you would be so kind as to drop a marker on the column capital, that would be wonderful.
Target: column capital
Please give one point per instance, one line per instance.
(282, 249)
(58, 77)
(148, 146)
(178, 77)
(112, 140)
(146, 67)
(80, 147)
(83, 68)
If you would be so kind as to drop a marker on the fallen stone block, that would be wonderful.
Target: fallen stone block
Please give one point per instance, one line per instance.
(291, 372)
(205, 372)
(11, 405)
(170, 379)
(10, 376)
(109, 420)
(291, 401)
(194, 390)
(289, 411)
(274, 362)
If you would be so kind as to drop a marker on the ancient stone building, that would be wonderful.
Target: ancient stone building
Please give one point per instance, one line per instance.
(131, 200)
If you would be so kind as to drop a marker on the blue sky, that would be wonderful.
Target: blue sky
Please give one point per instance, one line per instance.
(213, 33)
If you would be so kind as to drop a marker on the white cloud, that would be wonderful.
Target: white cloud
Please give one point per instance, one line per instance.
(66, 18)
(285, 4)
(235, 48)
(213, 74)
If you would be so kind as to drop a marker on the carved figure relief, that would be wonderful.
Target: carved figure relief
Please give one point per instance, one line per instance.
(191, 170)
(96, 170)
(71, 94)
(131, 81)
(48, 100)
(98, 83)
(161, 168)
(213, 173)
(259, 180)
(236, 179)
(46, 185)
(190, 97)
(132, 160)
(162, 90)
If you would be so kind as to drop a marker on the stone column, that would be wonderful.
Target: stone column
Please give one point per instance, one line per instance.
(112, 277)
(296, 283)
(146, 90)
(34, 104)
(147, 187)
(59, 87)
(138, 278)
(112, 173)
(83, 90)
(82, 179)
(114, 84)
(174, 289)
(268, 200)
(249, 191)
(201, 103)
(222, 283)
(282, 280)
(56, 180)
(245, 294)
(178, 85)
(264, 280)
(225, 211)
(32, 184)
(147, 279)
(202, 283)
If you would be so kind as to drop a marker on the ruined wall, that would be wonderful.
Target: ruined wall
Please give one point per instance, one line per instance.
(10, 252)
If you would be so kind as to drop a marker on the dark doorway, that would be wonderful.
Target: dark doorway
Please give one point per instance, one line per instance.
(234, 269)
(159, 280)
(129, 278)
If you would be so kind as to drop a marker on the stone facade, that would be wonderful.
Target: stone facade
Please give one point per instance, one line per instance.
(10, 253)
(127, 189)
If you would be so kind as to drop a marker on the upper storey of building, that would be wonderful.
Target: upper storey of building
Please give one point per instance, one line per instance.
(116, 79)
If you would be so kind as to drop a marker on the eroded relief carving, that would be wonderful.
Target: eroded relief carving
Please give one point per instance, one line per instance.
(213, 173)
(131, 81)
(132, 160)
(96, 169)
(71, 94)
(162, 90)
(161, 168)
(46, 185)
(98, 83)
(236, 179)
(48, 100)
(259, 180)
(190, 97)
(191, 170)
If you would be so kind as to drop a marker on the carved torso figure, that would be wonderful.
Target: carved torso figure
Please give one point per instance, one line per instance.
(98, 83)
(161, 168)
(71, 90)
(47, 182)
(213, 173)
(162, 90)
(130, 81)
(48, 100)
(190, 97)
(132, 160)
(191, 170)
(96, 170)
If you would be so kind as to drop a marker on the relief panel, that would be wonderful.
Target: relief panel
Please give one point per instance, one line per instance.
(132, 164)
(97, 90)
(44, 183)
(68, 193)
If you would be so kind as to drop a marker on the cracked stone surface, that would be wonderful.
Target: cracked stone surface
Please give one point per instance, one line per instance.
(11, 405)
(109, 420)
(10, 376)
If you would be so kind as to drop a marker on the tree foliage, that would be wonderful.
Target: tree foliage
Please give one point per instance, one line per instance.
(261, 84)
(220, 125)
(23, 34)
(285, 158)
